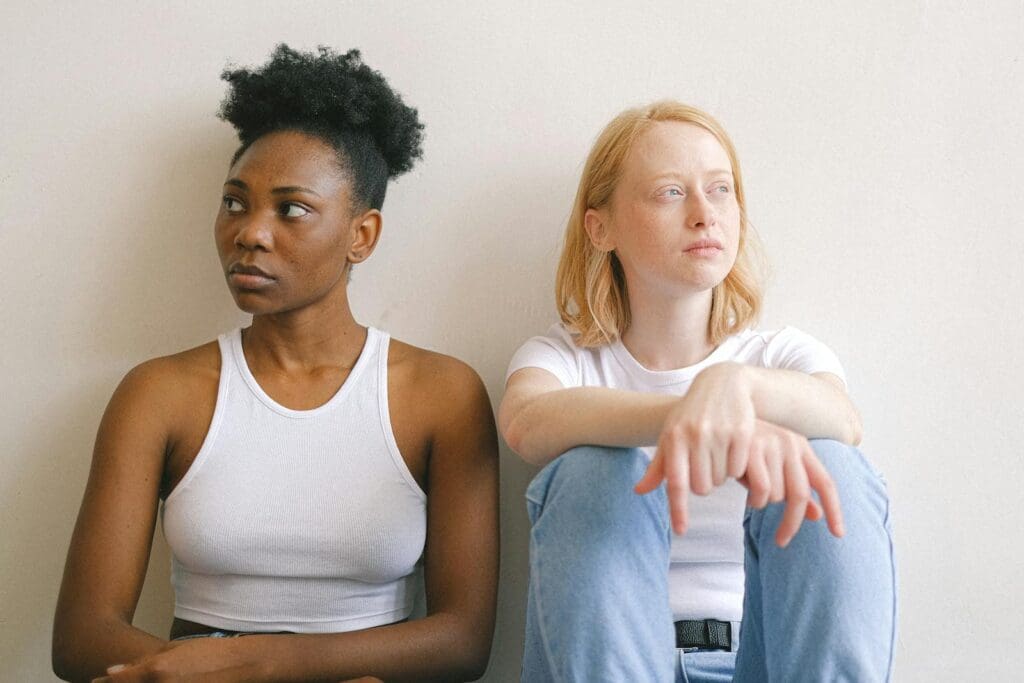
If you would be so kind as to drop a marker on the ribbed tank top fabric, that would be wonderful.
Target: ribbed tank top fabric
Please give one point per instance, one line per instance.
(297, 520)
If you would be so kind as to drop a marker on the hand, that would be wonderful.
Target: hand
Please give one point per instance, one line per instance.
(214, 660)
(782, 466)
(706, 438)
(712, 434)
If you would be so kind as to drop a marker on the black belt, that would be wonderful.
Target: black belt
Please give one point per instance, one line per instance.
(706, 633)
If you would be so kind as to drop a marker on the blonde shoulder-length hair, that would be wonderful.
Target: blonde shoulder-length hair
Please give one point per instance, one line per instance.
(590, 287)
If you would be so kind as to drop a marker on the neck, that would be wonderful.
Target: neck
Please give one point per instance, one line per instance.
(322, 333)
(666, 333)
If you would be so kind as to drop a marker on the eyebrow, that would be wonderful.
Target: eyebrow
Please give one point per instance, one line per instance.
(287, 189)
(712, 172)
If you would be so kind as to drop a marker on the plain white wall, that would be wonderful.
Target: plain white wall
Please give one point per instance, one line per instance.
(883, 157)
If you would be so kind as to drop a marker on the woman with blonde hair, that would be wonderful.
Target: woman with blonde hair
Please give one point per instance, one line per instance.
(656, 376)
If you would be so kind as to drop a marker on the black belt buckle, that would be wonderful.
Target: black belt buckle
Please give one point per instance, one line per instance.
(709, 634)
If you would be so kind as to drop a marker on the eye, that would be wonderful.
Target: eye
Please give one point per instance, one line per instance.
(671, 191)
(232, 205)
(292, 210)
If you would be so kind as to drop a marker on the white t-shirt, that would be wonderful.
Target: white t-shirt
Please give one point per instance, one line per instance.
(706, 570)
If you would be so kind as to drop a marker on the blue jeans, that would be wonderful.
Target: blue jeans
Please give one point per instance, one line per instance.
(822, 609)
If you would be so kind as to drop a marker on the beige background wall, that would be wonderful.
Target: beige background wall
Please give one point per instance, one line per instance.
(883, 157)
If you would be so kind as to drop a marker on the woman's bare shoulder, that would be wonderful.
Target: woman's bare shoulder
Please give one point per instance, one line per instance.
(175, 378)
(447, 398)
(425, 370)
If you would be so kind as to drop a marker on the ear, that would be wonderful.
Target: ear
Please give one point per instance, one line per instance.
(596, 223)
(366, 229)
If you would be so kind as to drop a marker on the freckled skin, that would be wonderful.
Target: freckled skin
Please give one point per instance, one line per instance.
(653, 217)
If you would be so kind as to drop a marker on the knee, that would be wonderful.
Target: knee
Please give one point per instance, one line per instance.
(862, 492)
(600, 465)
(850, 470)
(593, 480)
(585, 501)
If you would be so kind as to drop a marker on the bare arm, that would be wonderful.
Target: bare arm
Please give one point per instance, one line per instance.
(110, 547)
(816, 406)
(452, 643)
(540, 419)
(734, 421)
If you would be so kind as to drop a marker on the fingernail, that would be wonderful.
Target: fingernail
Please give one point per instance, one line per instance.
(117, 667)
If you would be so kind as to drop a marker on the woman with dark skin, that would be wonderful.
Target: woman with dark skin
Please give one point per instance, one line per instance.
(295, 218)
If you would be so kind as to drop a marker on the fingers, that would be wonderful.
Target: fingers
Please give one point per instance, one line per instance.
(798, 492)
(718, 461)
(114, 673)
(782, 466)
(671, 464)
(677, 477)
(757, 481)
(700, 467)
(821, 481)
(739, 454)
(654, 475)
(814, 512)
(773, 458)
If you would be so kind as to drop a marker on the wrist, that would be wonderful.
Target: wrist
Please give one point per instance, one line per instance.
(736, 376)
(262, 656)
(740, 383)
(754, 386)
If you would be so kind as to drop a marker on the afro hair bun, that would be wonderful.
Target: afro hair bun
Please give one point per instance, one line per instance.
(325, 91)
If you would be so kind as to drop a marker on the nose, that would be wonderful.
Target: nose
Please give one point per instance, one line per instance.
(701, 213)
(253, 234)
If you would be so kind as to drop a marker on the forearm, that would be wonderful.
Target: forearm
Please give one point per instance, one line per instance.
(84, 652)
(546, 425)
(806, 404)
(440, 647)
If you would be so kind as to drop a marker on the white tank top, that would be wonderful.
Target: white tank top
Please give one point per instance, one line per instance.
(297, 520)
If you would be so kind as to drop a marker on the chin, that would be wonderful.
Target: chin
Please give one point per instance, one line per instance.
(700, 282)
(253, 304)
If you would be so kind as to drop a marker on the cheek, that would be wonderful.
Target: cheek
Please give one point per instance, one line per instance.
(733, 247)
(325, 259)
(730, 220)
(645, 230)
(223, 242)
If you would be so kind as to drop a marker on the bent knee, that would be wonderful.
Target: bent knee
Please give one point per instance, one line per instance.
(846, 464)
(594, 477)
(601, 463)
(857, 482)
(588, 494)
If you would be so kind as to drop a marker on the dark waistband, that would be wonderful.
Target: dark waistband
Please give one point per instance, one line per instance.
(710, 634)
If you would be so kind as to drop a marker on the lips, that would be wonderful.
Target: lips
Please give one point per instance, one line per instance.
(248, 270)
(704, 244)
(248, 277)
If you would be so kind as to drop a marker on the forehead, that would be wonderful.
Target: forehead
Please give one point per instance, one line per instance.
(287, 158)
(675, 147)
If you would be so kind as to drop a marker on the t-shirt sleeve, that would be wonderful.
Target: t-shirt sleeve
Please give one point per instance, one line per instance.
(791, 349)
(554, 352)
